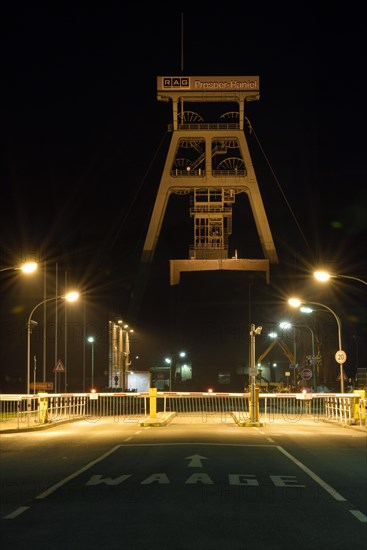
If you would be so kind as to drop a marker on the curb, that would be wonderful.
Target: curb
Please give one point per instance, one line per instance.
(157, 422)
(37, 428)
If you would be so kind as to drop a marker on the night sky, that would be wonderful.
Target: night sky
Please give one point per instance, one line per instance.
(83, 145)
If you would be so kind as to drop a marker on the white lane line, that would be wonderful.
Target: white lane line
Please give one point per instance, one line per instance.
(359, 515)
(128, 438)
(356, 513)
(75, 474)
(17, 512)
(314, 476)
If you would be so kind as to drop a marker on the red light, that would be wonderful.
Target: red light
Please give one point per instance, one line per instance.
(93, 390)
(210, 390)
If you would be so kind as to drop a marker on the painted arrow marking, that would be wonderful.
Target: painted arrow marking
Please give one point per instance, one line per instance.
(195, 461)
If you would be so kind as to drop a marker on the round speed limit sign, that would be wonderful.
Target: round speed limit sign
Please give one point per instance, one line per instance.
(340, 357)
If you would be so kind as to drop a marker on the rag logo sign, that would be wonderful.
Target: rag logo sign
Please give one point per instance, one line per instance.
(176, 82)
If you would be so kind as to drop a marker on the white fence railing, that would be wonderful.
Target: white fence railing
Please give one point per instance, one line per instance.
(27, 411)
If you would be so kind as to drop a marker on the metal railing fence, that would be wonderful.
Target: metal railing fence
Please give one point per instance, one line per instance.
(26, 411)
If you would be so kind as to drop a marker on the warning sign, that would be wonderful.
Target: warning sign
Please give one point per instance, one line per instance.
(59, 366)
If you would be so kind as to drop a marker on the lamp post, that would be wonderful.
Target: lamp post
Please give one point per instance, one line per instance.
(340, 356)
(324, 276)
(254, 331)
(169, 361)
(91, 341)
(295, 325)
(70, 297)
(285, 325)
(312, 338)
(28, 268)
(314, 369)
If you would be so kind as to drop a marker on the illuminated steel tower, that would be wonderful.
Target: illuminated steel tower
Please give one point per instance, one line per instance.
(209, 159)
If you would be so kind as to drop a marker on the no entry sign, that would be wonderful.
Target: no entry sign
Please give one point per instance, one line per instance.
(306, 374)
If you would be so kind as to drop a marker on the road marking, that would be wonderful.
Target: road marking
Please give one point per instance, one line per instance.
(54, 488)
(97, 479)
(195, 461)
(17, 512)
(332, 492)
(337, 496)
(202, 477)
(359, 515)
(314, 476)
(156, 478)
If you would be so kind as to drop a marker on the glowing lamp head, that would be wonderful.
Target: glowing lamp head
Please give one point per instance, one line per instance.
(322, 276)
(29, 267)
(72, 296)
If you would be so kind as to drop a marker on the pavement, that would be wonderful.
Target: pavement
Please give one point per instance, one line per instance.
(163, 419)
(12, 426)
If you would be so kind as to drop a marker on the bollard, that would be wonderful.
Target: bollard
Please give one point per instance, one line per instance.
(153, 402)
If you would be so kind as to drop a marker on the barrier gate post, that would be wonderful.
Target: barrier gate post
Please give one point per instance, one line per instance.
(153, 402)
(43, 407)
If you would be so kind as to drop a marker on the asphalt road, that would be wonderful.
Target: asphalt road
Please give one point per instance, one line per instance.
(211, 485)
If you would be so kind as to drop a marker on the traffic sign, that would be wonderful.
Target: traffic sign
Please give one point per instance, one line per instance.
(41, 386)
(340, 357)
(306, 374)
(59, 366)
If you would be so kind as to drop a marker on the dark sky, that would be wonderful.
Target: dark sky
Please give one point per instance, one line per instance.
(84, 138)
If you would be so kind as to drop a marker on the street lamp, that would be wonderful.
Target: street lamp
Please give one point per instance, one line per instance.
(70, 297)
(91, 340)
(27, 267)
(254, 331)
(324, 276)
(169, 361)
(285, 325)
(340, 355)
